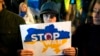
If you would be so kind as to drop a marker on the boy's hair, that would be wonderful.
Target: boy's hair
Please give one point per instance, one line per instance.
(49, 7)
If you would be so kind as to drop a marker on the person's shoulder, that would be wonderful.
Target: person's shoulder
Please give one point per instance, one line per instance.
(12, 14)
(84, 27)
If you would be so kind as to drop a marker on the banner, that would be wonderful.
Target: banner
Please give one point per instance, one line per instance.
(46, 39)
(34, 5)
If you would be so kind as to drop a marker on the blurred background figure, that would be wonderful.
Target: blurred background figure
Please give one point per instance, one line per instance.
(26, 13)
(34, 7)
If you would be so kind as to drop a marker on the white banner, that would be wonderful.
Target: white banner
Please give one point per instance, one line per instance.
(46, 39)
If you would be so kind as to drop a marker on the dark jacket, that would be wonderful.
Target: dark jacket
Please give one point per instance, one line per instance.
(10, 38)
(87, 39)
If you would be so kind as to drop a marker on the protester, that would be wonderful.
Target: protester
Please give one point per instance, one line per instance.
(87, 37)
(49, 13)
(10, 39)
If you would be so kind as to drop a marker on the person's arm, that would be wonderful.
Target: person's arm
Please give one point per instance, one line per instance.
(20, 50)
(76, 41)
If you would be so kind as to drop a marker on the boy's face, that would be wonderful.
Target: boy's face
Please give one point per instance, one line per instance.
(48, 18)
(96, 14)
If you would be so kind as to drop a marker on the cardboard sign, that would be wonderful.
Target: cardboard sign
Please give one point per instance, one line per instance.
(46, 39)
